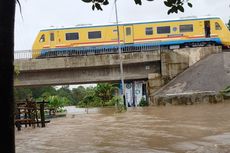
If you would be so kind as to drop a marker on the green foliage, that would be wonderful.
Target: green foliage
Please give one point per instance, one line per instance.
(41, 93)
(98, 96)
(105, 92)
(89, 99)
(78, 94)
(174, 5)
(21, 94)
(64, 91)
(57, 103)
(38, 91)
(119, 103)
(143, 102)
(226, 92)
(97, 3)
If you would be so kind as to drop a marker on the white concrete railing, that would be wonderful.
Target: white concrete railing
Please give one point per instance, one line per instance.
(23, 54)
(27, 54)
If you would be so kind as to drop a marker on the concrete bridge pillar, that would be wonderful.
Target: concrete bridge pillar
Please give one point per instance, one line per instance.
(155, 82)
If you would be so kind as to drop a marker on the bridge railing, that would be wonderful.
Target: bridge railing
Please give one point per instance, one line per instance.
(27, 54)
(23, 54)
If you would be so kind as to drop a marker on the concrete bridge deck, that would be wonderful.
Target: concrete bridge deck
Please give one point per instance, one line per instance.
(86, 69)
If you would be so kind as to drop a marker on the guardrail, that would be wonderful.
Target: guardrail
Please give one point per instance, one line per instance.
(78, 51)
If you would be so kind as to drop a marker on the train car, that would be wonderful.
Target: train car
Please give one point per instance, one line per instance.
(84, 40)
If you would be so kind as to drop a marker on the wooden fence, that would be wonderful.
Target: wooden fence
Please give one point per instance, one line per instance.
(30, 113)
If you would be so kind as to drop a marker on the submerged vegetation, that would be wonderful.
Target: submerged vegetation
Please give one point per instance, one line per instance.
(226, 92)
(143, 102)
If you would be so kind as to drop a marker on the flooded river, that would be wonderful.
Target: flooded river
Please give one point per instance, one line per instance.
(203, 128)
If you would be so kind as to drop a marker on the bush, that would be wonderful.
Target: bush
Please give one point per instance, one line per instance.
(118, 102)
(226, 92)
(57, 103)
(143, 102)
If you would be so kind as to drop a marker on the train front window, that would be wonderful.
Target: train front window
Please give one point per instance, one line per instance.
(163, 30)
(149, 31)
(217, 26)
(42, 38)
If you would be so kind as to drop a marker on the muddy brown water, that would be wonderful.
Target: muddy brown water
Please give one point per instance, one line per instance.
(203, 128)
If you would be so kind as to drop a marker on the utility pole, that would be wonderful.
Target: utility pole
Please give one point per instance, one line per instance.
(120, 57)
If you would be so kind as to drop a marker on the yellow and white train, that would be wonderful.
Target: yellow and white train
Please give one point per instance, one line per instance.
(133, 37)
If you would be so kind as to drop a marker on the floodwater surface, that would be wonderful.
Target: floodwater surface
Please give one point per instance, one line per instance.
(203, 128)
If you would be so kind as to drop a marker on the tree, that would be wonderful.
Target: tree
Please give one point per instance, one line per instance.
(64, 91)
(21, 94)
(78, 94)
(89, 99)
(57, 102)
(105, 92)
(174, 5)
(39, 91)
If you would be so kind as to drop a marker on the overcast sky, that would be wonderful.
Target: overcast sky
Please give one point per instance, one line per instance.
(40, 14)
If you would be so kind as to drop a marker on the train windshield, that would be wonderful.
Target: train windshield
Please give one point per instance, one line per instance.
(42, 38)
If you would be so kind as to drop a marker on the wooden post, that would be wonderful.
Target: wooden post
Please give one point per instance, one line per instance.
(42, 113)
(18, 116)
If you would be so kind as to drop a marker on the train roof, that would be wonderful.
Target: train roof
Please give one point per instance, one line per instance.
(128, 23)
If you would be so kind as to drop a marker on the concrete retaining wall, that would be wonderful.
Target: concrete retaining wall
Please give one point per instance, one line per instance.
(176, 61)
(188, 98)
(196, 54)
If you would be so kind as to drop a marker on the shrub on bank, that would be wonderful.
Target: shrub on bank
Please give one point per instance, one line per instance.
(226, 92)
(143, 102)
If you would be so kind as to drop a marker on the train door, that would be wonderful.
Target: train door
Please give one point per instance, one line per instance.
(207, 29)
(52, 39)
(128, 34)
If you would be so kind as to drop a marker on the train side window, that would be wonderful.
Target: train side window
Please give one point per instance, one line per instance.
(128, 31)
(94, 34)
(148, 31)
(186, 28)
(51, 36)
(72, 36)
(42, 38)
(217, 26)
(163, 30)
